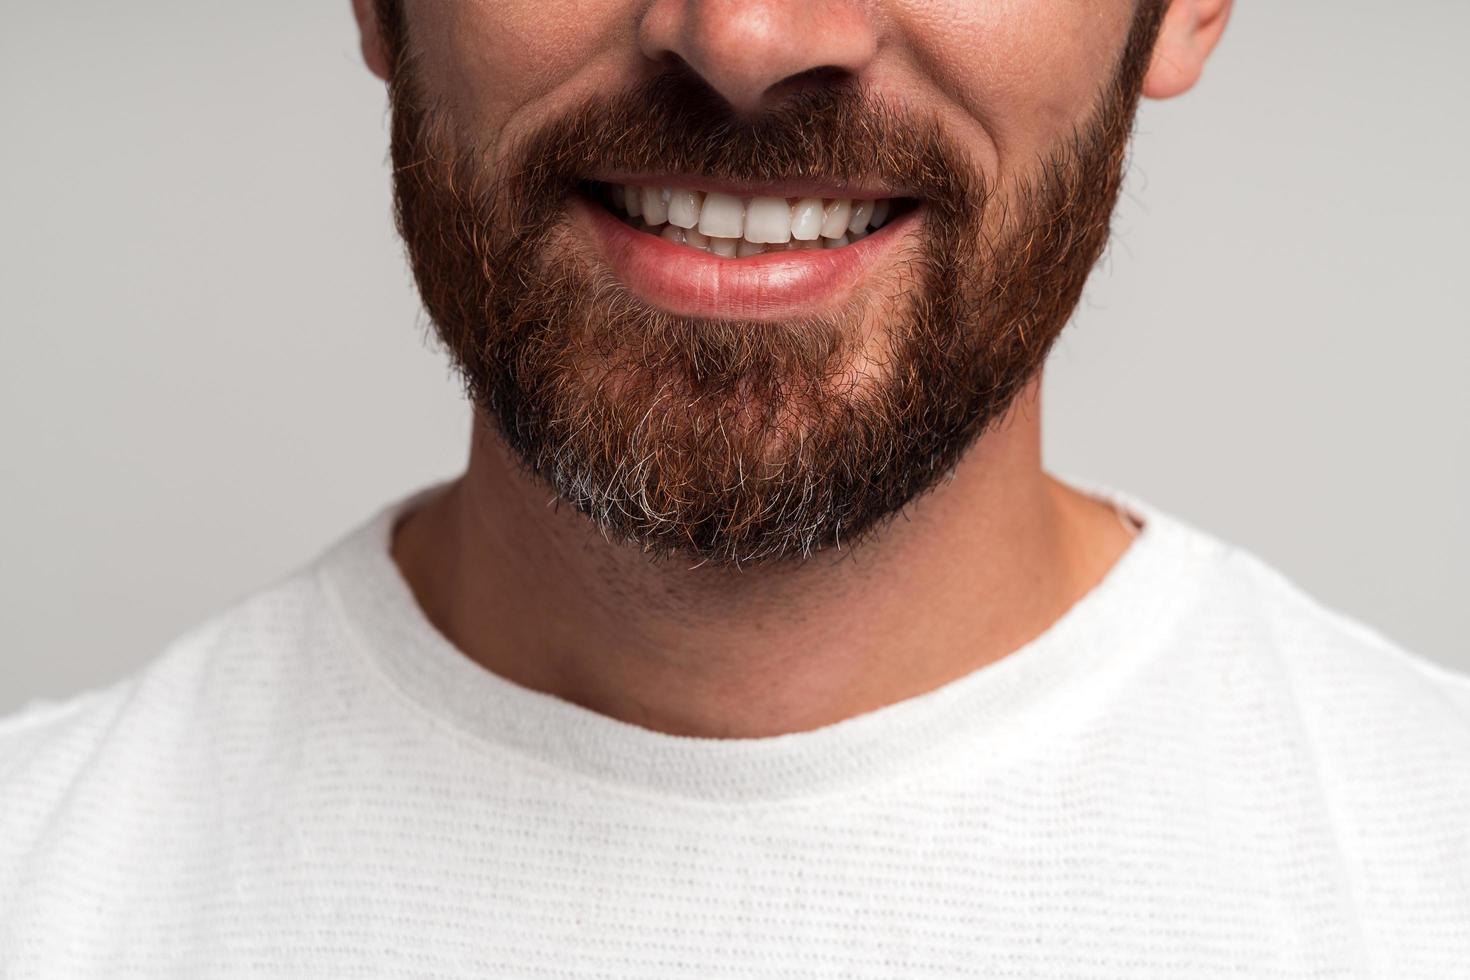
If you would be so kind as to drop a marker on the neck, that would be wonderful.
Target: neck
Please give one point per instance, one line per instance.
(970, 572)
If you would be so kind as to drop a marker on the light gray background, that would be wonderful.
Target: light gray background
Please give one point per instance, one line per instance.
(213, 362)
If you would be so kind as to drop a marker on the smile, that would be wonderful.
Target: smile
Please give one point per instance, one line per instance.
(732, 226)
(712, 250)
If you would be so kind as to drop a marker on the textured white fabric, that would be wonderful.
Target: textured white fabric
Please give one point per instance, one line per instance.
(1196, 772)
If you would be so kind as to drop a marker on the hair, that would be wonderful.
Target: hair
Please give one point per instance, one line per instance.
(745, 441)
(392, 30)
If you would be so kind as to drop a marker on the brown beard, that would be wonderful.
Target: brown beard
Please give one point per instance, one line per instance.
(727, 440)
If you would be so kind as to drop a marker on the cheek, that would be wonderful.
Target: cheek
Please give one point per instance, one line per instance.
(1026, 70)
(492, 58)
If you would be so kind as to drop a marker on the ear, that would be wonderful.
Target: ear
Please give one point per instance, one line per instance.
(1187, 36)
(373, 50)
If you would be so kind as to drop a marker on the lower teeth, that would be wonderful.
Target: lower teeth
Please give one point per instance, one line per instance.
(733, 248)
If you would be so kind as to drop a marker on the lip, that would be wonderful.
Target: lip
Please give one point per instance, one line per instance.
(684, 280)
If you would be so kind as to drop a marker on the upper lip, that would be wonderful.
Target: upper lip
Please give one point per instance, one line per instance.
(785, 188)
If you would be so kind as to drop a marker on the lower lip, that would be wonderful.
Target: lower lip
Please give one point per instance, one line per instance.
(685, 280)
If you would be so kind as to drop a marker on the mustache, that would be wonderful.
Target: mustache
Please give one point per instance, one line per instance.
(835, 132)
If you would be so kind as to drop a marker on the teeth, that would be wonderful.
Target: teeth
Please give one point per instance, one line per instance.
(656, 204)
(722, 216)
(768, 221)
(880, 213)
(839, 212)
(684, 207)
(733, 227)
(806, 219)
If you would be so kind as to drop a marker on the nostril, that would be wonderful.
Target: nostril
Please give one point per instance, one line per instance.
(823, 76)
(749, 51)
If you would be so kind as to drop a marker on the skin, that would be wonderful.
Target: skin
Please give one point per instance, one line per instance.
(968, 573)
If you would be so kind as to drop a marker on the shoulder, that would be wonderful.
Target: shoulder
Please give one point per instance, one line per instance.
(92, 777)
(1356, 689)
(119, 806)
(213, 669)
(1367, 704)
(284, 652)
(1389, 728)
(1312, 705)
(1241, 618)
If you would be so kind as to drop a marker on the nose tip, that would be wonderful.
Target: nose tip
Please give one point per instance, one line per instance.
(746, 49)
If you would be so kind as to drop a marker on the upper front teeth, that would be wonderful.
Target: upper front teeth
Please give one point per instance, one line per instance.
(684, 207)
(767, 220)
(807, 217)
(723, 216)
(734, 226)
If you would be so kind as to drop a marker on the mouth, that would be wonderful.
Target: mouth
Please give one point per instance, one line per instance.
(699, 247)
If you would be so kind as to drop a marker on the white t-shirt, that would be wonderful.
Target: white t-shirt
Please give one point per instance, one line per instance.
(1197, 771)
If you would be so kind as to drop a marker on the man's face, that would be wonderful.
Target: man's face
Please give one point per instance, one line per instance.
(855, 231)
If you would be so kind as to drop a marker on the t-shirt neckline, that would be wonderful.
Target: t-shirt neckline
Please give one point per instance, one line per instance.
(1008, 706)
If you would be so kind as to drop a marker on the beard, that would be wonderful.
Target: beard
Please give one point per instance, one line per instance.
(730, 440)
